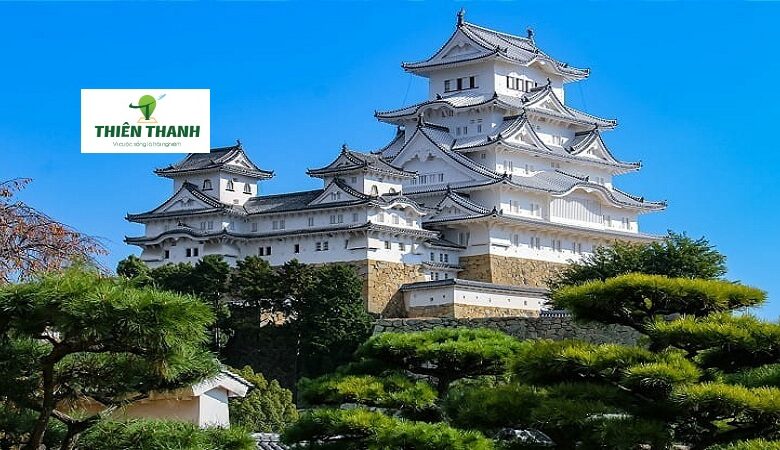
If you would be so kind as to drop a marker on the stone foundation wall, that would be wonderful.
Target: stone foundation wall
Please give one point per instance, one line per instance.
(383, 279)
(431, 311)
(560, 326)
(507, 270)
(471, 311)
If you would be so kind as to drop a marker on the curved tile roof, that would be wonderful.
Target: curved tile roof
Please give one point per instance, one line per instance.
(360, 161)
(497, 44)
(217, 158)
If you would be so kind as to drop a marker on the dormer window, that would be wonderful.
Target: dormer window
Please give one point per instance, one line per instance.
(206, 185)
(229, 185)
(374, 190)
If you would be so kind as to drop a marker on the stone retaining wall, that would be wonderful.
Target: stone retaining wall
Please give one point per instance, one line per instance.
(507, 270)
(382, 281)
(548, 326)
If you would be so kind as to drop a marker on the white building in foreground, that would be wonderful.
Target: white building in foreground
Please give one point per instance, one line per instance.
(489, 184)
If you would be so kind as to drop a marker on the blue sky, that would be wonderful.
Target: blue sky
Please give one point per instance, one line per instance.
(693, 85)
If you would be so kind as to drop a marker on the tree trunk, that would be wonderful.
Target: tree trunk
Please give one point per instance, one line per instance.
(47, 408)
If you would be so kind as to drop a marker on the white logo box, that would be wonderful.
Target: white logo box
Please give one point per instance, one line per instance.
(179, 123)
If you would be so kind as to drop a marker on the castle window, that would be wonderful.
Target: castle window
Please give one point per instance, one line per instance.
(354, 180)
(463, 238)
(229, 185)
(402, 246)
(324, 246)
(441, 257)
(297, 248)
(268, 251)
(536, 243)
(311, 221)
(555, 245)
(167, 254)
(206, 185)
(355, 217)
(210, 225)
(254, 227)
(247, 188)
(446, 258)
(433, 258)
(374, 190)
(388, 245)
(536, 209)
(395, 220)
(392, 191)
(447, 85)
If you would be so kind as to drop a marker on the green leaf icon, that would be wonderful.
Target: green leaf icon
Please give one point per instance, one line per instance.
(146, 104)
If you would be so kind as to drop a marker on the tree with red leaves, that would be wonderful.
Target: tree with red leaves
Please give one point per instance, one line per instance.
(32, 242)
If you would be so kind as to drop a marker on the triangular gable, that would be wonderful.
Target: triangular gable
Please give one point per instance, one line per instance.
(334, 193)
(343, 160)
(456, 206)
(240, 159)
(548, 101)
(458, 47)
(420, 151)
(187, 198)
(523, 133)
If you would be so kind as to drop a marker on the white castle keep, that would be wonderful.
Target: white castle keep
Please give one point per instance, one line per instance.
(487, 186)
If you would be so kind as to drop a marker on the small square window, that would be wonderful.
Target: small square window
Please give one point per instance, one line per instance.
(167, 254)
(297, 248)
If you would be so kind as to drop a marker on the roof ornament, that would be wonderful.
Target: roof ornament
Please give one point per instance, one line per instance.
(344, 147)
(549, 81)
(438, 96)
(530, 33)
(238, 143)
(420, 120)
(461, 14)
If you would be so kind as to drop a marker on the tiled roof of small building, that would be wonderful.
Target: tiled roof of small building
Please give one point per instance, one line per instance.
(359, 161)
(269, 441)
(217, 158)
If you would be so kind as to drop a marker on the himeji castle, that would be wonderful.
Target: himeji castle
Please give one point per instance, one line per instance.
(487, 186)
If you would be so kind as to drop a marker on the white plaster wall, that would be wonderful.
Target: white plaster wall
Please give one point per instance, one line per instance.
(472, 296)
(213, 408)
(503, 69)
(483, 72)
